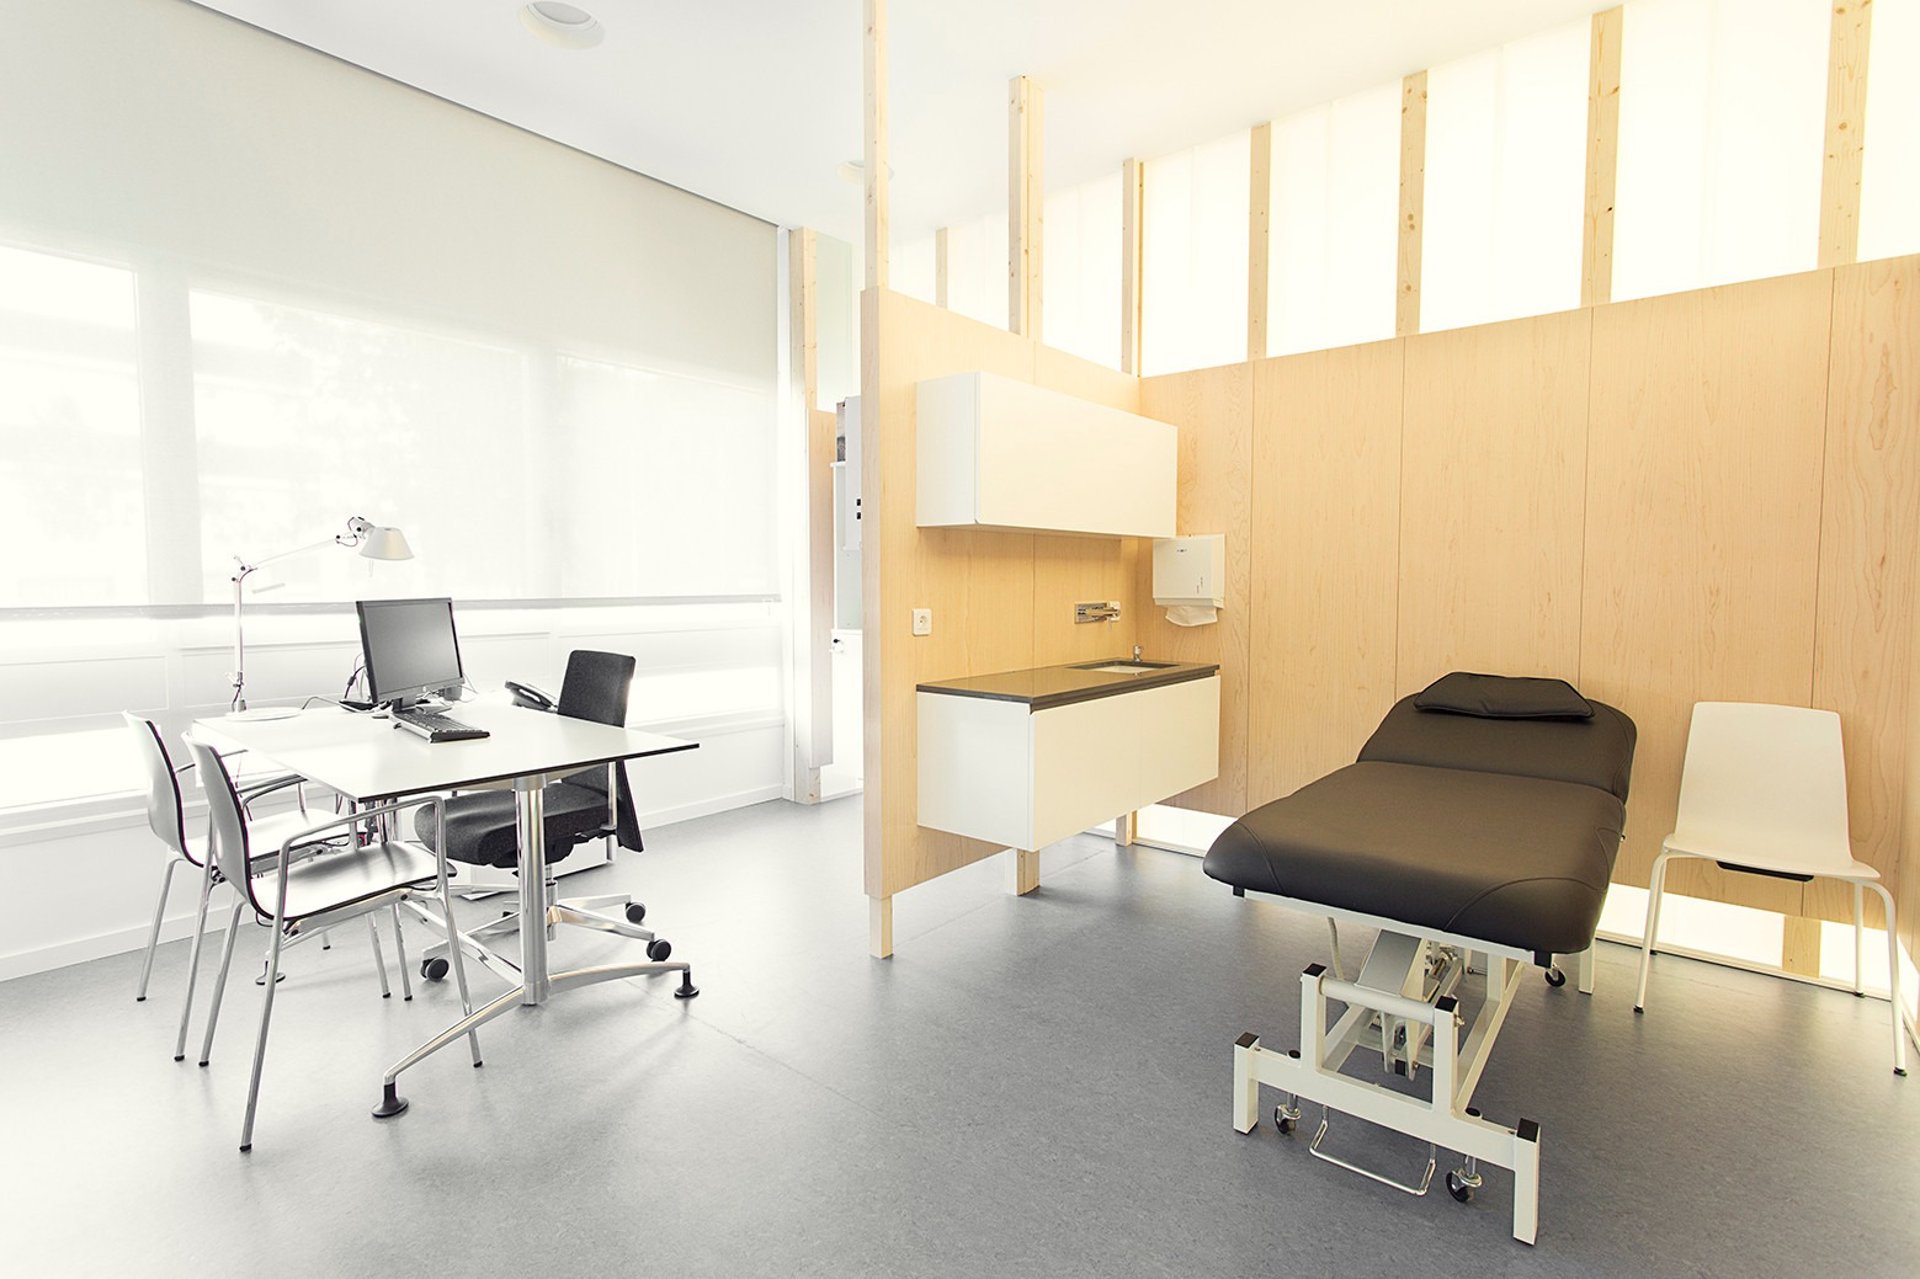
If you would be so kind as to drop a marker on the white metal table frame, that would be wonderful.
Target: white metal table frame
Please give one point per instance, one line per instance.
(331, 749)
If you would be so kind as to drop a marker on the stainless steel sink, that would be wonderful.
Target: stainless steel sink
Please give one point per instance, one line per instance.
(1122, 668)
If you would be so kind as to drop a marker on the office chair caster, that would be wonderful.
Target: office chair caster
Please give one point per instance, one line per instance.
(636, 912)
(1460, 1188)
(1286, 1118)
(659, 950)
(433, 969)
(1555, 979)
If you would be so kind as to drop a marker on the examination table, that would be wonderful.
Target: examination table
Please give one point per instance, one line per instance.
(1477, 831)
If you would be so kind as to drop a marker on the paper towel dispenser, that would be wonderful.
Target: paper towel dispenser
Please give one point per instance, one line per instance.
(1190, 570)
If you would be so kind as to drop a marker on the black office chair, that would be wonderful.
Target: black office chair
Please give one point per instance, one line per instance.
(482, 826)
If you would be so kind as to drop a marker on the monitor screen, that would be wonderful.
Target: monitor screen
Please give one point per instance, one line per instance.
(409, 645)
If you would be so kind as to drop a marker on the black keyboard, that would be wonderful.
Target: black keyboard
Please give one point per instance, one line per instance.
(435, 727)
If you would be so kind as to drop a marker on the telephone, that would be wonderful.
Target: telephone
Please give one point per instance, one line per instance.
(530, 697)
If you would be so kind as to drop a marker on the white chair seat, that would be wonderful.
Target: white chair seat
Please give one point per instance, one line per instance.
(1850, 869)
(328, 882)
(264, 836)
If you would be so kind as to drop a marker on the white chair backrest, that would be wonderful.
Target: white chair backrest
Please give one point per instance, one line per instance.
(1768, 782)
(226, 822)
(166, 814)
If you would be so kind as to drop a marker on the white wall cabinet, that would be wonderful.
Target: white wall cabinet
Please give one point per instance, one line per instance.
(998, 453)
(1000, 771)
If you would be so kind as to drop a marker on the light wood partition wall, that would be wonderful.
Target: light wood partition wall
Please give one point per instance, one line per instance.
(1001, 601)
(1699, 496)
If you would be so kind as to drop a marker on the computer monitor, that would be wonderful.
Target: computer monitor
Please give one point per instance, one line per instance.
(410, 648)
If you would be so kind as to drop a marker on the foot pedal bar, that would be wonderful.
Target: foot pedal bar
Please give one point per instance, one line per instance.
(1416, 1189)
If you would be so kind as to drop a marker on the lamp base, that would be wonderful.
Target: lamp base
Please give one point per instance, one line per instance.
(263, 712)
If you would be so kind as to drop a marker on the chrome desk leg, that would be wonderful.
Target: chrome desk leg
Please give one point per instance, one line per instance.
(530, 811)
(153, 934)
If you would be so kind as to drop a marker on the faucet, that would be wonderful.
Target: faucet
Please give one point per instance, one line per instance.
(1102, 611)
(1136, 652)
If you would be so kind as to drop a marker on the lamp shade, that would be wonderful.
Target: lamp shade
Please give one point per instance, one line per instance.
(381, 543)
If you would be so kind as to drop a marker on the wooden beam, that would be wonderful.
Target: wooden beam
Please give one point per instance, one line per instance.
(1026, 205)
(1800, 946)
(874, 154)
(1259, 238)
(1603, 158)
(1413, 188)
(1131, 190)
(1846, 132)
(940, 267)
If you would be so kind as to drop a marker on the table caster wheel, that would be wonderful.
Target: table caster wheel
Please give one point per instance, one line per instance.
(1282, 1120)
(1459, 1188)
(433, 969)
(1556, 978)
(636, 912)
(659, 950)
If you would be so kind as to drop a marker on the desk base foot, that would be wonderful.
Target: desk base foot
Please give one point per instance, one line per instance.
(391, 1104)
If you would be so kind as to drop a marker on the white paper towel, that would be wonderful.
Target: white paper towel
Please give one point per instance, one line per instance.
(1192, 614)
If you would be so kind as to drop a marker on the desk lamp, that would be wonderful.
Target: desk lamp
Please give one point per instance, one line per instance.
(374, 541)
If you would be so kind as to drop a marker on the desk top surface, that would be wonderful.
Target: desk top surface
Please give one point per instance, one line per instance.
(366, 758)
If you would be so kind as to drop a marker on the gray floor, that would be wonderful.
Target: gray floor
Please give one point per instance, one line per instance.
(1033, 1086)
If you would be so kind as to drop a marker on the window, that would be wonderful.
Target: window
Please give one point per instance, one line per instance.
(1505, 196)
(1334, 218)
(1194, 251)
(70, 465)
(977, 269)
(910, 269)
(1080, 269)
(1722, 128)
(1890, 180)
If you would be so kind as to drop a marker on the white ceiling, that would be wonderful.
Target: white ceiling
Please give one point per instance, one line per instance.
(755, 103)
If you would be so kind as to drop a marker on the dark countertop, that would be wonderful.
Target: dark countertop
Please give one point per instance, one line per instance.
(1049, 686)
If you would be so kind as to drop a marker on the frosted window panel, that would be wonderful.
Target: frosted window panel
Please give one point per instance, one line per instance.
(1722, 129)
(910, 270)
(1333, 218)
(977, 269)
(1194, 251)
(305, 418)
(665, 486)
(1080, 269)
(1890, 177)
(1505, 195)
(70, 466)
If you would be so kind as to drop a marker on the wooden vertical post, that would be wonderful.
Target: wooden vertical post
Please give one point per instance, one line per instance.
(1603, 155)
(1026, 204)
(1800, 946)
(1132, 189)
(874, 155)
(940, 267)
(1846, 133)
(1259, 238)
(1413, 187)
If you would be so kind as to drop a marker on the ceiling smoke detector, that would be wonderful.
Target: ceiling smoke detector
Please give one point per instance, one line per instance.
(562, 25)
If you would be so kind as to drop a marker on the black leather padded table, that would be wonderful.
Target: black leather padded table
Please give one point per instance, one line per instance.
(1502, 830)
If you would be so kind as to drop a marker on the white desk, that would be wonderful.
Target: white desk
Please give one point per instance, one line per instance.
(368, 760)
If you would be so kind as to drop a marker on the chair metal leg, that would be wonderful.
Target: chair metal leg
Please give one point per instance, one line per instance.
(153, 934)
(260, 1044)
(1656, 887)
(1860, 939)
(193, 961)
(1893, 985)
(379, 959)
(220, 980)
(400, 953)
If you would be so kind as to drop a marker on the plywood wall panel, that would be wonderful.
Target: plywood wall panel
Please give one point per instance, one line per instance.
(1492, 500)
(1214, 410)
(1702, 527)
(1326, 534)
(1869, 544)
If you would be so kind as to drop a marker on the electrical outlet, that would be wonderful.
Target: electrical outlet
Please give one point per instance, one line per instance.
(923, 621)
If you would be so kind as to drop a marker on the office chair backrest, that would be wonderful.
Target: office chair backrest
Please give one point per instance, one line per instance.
(597, 686)
(166, 811)
(226, 824)
(1765, 781)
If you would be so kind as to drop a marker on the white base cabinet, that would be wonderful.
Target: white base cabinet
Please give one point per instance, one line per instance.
(999, 771)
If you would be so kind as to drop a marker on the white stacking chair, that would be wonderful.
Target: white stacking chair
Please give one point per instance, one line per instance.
(1764, 790)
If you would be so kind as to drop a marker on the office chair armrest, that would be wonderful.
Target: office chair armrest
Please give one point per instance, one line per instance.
(267, 788)
(305, 836)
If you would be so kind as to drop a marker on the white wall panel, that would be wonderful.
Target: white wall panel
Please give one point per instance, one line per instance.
(1194, 257)
(1890, 176)
(1080, 285)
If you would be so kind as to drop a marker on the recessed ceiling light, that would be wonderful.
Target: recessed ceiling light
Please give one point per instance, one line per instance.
(856, 171)
(562, 25)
